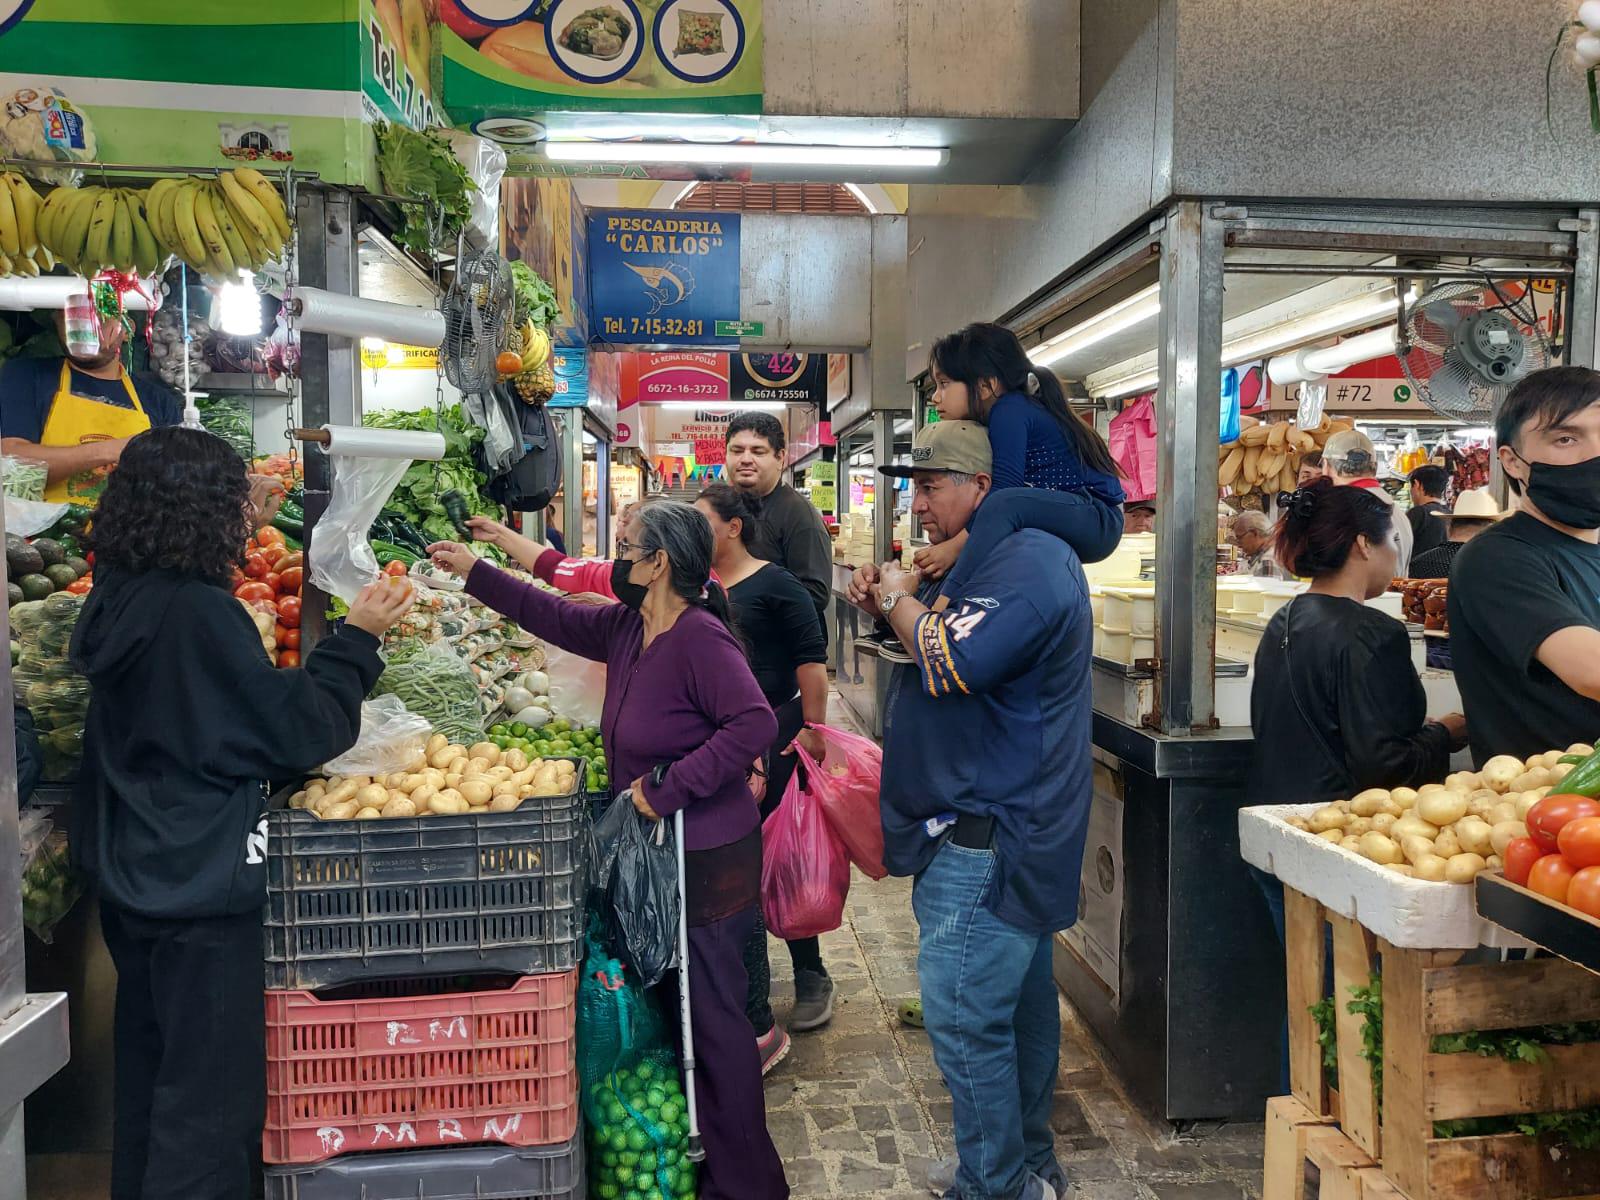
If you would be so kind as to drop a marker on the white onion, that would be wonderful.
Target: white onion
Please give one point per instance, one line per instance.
(518, 698)
(533, 716)
(1587, 49)
(1589, 14)
(538, 682)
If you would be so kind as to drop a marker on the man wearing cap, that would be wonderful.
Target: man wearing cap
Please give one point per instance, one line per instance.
(1474, 512)
(1350, 461)
(1139, 516)
(985, 802)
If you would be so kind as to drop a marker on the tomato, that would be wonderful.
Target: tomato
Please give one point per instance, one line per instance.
(1579, 842)
(1583, 893)
(1551, 876)
(1546, 818)
(289, 611)
(254, 590)
(274, 554)
(289, 580)
(274, 581)
(508, 363)
(295, 559)
(288, 639)
(1520, 856)
(268, 536)
(396, 569)
(255, 566)
(288, 658)
(79, 587)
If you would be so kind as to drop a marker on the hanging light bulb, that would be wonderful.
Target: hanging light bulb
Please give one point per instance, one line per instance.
(240, 306)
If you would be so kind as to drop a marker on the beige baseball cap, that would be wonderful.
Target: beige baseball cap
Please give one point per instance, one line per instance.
(948, 446)
(1345, 443)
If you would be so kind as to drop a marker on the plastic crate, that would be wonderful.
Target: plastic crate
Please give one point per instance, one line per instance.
(347, 1076)
(465, 1173)
(355, 900)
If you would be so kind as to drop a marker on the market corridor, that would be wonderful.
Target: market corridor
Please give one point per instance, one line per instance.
(858, 1109)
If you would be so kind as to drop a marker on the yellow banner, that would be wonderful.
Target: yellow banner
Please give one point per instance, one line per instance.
(393, 357)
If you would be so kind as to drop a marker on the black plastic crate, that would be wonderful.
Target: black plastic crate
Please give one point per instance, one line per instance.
(482, 892)
(467, 1173)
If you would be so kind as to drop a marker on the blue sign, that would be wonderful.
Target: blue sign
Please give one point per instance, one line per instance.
(663, 278)
(571, 368)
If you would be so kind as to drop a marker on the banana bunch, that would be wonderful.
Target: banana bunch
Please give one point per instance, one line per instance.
(94, 229)
(21, 252)
(1266, 458)
(536, 382)
(219, 226)
(535, 349)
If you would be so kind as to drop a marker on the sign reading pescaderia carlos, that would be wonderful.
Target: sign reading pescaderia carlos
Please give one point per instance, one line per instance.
(663, 278)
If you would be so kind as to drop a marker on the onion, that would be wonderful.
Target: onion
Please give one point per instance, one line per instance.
(536, 682)
(519, 698)
(533, 716)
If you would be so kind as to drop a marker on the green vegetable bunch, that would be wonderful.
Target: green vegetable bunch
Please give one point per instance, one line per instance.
(416, 497)
(422, 167)
(536, 299)
(436, 685)
(49, 886)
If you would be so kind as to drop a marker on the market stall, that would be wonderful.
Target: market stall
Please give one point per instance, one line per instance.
(1173, 950)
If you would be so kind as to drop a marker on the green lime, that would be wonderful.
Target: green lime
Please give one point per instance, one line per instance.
(500, 729)
(615, 1114)
(610, 1159)
(625, 1176)
(670, 1112)
(618, 1140)
(628, 1158)
(608, 1191)
(520, 730)
(636, 1139)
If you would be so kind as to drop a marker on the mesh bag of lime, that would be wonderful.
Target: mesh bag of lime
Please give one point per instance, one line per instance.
(636, 1114)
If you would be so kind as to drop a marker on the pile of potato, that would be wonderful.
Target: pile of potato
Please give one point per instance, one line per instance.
(1266, 458)
(1444, 832)
(447, 780)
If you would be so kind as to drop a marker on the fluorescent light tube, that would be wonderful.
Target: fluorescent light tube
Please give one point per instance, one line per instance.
(761, 154)
(1123, 315)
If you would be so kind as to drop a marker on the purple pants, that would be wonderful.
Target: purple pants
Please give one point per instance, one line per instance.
(741, 1162)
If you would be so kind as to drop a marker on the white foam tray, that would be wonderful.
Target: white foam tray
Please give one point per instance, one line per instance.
(1410, 913)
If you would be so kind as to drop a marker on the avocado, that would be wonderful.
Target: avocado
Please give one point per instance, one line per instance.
(13, 595)
(80, 567)
(61, 575)
(21, 558)
(35, 587)
(50, 550)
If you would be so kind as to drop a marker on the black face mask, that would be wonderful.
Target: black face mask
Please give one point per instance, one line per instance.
(630, 593)
(1567, 493)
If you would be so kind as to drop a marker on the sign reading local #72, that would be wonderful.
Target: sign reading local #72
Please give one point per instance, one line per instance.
(663, 278)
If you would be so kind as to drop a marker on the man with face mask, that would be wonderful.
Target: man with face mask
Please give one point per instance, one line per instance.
(1525, 595)
(75, 413)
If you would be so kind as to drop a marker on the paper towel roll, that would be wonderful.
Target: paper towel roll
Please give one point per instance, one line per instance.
(350, 441)
(350, 316)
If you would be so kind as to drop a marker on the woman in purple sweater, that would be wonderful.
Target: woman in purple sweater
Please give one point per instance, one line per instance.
(683, 719)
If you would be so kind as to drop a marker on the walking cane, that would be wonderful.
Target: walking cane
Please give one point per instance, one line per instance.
(696, 1152)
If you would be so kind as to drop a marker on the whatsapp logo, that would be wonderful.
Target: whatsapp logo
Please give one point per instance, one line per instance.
(1402, 393)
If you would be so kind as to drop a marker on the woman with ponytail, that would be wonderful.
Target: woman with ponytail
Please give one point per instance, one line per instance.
(683, 719)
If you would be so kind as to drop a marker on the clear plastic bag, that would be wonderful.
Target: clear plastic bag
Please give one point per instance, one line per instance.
(636, 865)
(577, 686)
(805, 871)
(342, 562)
(392, 739)
(437, 686)
(485, 162)
(845, 785)
(25, 478)
(50, 887)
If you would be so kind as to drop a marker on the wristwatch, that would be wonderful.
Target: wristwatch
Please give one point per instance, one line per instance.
(888, 600)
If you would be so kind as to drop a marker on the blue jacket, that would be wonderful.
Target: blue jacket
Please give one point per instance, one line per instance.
(994, 720)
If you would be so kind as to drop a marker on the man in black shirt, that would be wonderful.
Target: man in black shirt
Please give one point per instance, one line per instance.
(1474, 512)
(1428, 485)
(1525, 595)
(789, 531)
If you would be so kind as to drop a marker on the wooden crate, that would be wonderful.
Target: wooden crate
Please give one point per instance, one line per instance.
(1427, 993)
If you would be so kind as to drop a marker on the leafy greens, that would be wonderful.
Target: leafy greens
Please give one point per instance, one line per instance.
(422, 167)
(416, 496)
(536, 299)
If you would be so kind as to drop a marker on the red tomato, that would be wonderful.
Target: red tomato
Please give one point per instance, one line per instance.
(274, 581)
(1546, 818)
(290, 579)
(295, 559)
(80, 586)
(1583, 893)
(254, 590)
(255, 566)
(1551, 876)
(1579, 842)
(396, 569)
(268, 536)
(288, 658)
(273, 554)
(289, 611)
(1520, 856)
(288, 639)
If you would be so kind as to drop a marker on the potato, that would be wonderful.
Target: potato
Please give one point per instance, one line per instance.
(451, 780)
(1334, 834)
(1442, 808)
(1525, 803)
(1405, 869)
(498, 774)
(1480, 808)
(1431, 789)
(449, 804)
(507, 788)
(1500, 771)
(1404, 797)
(508, 803)
(423, 795)
(1349, 842)
(477, 766)
(1384, 822)
(1529, 780)
(1502, 812)
(1548, 760)
(345, 791)
(1494, 863)
(1323, 819)
(417, 763)
(476, 791)
(1463, 868)
(1447, 844)
(368, 814)
(341, 811)
(515, 759)
(298, 800)
(1381, 849)
(1416, 848)
(437, 743)
(374, 795)
(485, 750)
(1358, 826)
(360, 781)
(411, 783)
(566, 766)
(315, 789)
(395, 780)
(1559, 772)
(1503, 833)
(444, 757)
(1430, 867)
(1475, 835)
(1579, 748)
(400, 806)
(1411, 824)
(334, 781)
(457, 765)
(523, 776)
(1463, 781)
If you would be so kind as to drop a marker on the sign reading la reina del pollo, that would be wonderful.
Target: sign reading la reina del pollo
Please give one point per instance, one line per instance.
(663, 278)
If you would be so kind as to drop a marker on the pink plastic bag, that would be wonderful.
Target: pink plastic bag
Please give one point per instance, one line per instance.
(805, 872)
(846, 784)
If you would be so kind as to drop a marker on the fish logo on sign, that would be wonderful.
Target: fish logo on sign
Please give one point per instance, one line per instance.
(667, 285)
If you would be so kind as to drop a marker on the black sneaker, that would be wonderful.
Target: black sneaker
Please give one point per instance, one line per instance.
(892, 651)
(813, 1001)
(882, 645)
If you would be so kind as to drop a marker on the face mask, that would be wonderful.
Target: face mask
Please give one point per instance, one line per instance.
(630, 593)
(1567, 493)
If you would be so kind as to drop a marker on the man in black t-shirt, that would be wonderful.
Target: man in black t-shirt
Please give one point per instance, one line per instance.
(1525, 595)
(1428, 486)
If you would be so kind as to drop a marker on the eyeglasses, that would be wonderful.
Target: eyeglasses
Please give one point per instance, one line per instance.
(625, 548)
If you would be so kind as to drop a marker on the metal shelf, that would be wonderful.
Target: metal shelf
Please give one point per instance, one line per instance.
(236, 383)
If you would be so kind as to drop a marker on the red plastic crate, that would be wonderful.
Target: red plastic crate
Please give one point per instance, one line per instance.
(436, 1070)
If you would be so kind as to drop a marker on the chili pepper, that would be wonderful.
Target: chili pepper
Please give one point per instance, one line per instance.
(1583, 779)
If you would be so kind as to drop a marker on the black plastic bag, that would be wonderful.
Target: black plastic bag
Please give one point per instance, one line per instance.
(635, 864)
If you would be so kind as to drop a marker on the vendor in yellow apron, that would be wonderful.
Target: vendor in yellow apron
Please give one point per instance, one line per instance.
(75, 420)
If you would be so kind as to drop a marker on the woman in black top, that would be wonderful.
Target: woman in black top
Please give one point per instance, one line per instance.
(788, 653)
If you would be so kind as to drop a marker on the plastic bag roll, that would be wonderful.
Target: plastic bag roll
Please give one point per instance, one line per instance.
(351, 441)
(350, 316)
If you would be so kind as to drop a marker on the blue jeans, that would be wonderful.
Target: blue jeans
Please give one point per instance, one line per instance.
(1086, 523)
(993, 1015)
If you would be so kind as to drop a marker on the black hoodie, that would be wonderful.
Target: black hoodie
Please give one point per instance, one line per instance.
(188, 720)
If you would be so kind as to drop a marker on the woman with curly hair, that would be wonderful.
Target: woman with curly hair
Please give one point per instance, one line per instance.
(188, 722)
